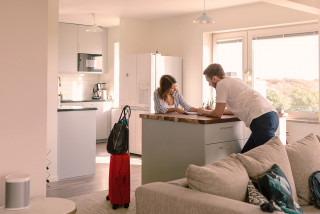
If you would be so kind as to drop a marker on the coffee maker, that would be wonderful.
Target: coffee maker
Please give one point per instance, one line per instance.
(97, 91)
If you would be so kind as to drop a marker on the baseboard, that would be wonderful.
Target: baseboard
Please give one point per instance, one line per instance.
(102, 140)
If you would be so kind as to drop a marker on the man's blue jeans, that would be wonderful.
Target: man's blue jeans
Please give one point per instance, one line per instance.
(263, 128)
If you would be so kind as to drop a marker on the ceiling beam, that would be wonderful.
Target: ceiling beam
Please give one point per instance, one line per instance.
(297, 5)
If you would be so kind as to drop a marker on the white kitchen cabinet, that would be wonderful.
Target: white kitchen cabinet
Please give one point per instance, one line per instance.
(221, 140)
(76, 143)
(169, 147)
(217, 151)
(72, 104)
(135, 132)
(102, 115)
(67, 48)
(89, 42)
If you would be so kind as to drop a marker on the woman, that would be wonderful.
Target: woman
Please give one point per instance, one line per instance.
(167, 98)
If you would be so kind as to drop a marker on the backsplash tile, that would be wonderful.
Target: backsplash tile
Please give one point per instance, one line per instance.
(77, 86)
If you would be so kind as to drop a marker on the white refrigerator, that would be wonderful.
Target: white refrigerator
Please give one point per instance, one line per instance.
(139, 77)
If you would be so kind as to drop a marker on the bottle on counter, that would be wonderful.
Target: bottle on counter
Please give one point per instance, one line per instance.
(59, 99)
(60, 95)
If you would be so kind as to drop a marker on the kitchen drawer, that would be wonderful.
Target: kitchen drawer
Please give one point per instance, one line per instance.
(217, 151)
(221, 132)
(91, 104)
(72, 104)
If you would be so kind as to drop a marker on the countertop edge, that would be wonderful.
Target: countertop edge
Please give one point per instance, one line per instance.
(195, 119)
(78, 101)
(80, 109)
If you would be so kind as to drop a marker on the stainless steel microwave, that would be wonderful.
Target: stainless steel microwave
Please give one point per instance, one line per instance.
(89, 62)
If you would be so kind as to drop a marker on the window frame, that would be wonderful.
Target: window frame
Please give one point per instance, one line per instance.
(247, 51)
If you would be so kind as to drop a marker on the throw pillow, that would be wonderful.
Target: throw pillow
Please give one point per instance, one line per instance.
(227, 178)
(256, 198)
(304, 159)
(275, 186)
(260, 159)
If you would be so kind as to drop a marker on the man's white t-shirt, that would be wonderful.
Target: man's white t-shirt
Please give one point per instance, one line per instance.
(244, 102)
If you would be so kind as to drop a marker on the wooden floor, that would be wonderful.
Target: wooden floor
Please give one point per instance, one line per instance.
(86, 184)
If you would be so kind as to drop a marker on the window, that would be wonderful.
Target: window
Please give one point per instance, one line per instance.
(229, 51)
(229, 54)
(281, 63)
(285, 70)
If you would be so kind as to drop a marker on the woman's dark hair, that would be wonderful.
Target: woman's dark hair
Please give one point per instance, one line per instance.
(214, 70)
(166, 82)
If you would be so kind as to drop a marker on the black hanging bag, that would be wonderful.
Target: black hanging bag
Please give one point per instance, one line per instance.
(314, 183)
(118, 140)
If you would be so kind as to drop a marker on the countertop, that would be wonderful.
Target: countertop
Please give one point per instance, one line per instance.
(194, 118)
(190, 118)
(75, 108)
(92, 100)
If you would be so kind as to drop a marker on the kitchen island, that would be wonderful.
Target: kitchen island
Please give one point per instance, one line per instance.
(76, 150)
(170, 142)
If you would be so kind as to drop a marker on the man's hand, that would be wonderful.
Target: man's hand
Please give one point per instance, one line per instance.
(209, 107)
(201, 111)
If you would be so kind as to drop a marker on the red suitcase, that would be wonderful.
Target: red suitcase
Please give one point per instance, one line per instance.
(119, 180)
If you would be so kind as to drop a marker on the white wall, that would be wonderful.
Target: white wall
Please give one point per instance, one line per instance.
(111, 35)
(23, 86)
(52, 92)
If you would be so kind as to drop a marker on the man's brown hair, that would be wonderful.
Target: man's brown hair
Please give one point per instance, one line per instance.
(214, 70)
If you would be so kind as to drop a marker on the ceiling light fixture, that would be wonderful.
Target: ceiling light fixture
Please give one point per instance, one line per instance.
(94, 28)
(204, 19)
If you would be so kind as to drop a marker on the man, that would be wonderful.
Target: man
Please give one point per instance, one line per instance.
(245, 103)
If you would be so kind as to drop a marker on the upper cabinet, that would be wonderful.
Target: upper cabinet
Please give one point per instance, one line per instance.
(74, 39)
(68, 47)
(89, 42)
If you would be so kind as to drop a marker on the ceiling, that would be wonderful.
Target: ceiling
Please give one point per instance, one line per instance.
(108, 12)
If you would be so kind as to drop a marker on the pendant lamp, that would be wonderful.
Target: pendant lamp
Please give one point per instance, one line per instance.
(94, 28)
(204, 19)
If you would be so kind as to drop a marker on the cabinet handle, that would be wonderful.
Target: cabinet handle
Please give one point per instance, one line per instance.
(226, 147)
(228, 127)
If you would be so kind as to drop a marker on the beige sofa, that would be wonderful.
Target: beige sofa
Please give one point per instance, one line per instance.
(221, 187)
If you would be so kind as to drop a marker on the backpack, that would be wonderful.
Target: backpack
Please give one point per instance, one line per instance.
(314, 183)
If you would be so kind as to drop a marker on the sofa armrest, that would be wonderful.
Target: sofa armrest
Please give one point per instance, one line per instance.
(159, 198)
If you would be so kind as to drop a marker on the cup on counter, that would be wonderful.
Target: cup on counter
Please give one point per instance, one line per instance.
(59, 101)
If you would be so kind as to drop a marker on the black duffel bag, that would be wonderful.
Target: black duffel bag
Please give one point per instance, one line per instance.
(118, 140)
(314, 184)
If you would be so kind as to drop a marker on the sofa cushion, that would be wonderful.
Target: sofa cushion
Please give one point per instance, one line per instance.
(304, 156)
(259, 160)
(275, 186)
(227, 178)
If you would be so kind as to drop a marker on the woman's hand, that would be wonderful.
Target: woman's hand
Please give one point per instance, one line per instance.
(180, 111)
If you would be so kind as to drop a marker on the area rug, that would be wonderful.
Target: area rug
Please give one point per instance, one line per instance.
(96, 203)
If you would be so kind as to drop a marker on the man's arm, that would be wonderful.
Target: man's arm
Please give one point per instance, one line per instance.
(217, 112)
(227, 111)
